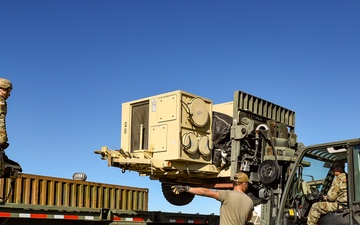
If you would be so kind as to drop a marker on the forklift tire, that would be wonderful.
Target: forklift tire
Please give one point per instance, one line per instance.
(181, 199)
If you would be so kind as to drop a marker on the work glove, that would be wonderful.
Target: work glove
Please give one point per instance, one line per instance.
(4, 145)
(179, 188)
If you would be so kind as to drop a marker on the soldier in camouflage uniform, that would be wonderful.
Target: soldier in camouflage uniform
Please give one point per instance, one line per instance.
(335, 198)
(5, 89)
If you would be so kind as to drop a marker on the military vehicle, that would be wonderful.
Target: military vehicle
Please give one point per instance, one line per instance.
(182, 138)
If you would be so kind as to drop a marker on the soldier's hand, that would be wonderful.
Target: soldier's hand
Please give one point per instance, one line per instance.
(4, 145)
(177, 189)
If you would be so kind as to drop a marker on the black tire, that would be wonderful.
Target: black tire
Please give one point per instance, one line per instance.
(181, 199)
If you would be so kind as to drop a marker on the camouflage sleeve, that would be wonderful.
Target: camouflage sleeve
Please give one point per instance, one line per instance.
(3, 111)
(337, 189)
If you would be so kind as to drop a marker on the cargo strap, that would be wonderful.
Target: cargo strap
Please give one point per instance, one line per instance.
(12, 184)
(13, 176)
(2, 164)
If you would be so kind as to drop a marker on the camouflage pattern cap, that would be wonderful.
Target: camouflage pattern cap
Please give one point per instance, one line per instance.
(241, 177)
(5, 83)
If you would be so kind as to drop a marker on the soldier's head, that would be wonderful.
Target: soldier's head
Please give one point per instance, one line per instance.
(5, 87)
(242, 180)
(338, 167)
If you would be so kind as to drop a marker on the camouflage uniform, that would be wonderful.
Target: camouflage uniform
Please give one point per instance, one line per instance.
(5, 85)
(336, 194)
(3, 111)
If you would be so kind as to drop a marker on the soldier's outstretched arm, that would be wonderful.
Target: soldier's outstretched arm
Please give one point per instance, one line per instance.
(204, 192)
(196, 191)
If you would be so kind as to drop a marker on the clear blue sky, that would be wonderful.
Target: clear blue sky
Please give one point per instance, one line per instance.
(73, 63)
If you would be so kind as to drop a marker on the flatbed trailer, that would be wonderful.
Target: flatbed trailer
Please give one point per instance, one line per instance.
(37, 200)
(16, 214)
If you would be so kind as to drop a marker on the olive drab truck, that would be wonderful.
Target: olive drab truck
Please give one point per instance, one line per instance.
(182, 138)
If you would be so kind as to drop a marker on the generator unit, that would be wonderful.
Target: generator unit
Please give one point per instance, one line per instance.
(174, 126)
